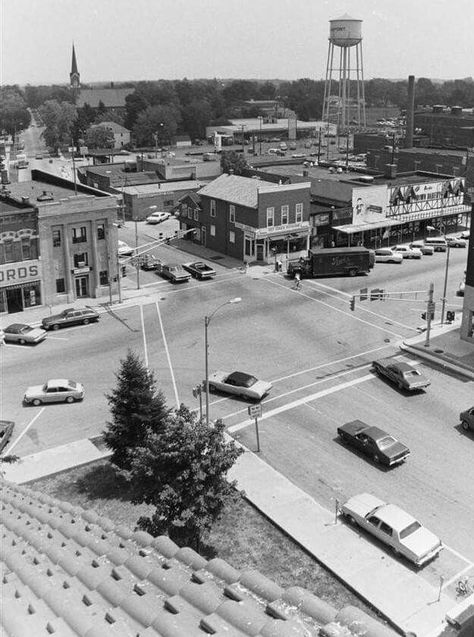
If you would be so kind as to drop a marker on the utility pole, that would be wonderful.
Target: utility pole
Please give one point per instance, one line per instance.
(430, 307)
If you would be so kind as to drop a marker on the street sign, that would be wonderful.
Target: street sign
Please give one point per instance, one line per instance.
(255, 411)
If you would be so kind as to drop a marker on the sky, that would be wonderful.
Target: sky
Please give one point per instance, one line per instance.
(119, 40)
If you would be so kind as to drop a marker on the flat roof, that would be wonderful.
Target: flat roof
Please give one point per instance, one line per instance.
(162, 187)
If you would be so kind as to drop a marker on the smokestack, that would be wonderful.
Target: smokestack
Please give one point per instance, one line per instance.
(410, 112)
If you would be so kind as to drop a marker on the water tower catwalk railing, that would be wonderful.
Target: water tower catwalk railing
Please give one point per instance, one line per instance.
(344, 95)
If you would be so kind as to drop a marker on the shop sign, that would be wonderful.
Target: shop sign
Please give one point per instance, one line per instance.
(289, 227)
(81, 270)
(321, 220)
(23, 272)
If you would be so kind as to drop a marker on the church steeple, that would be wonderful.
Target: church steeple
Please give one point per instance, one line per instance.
(74, 77)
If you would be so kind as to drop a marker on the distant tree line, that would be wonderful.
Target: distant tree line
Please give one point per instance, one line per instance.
(157, 111)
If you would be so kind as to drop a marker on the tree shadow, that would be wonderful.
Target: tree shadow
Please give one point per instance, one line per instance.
(104, 482)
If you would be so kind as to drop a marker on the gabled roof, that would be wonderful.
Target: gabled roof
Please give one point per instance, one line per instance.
(69, 571)
(110, 97)
(242, 191)
(113, 126)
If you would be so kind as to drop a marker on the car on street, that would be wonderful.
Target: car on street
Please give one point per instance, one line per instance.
(200, 270)
(380, 446)
(387, 255)
(404, 375)
(22, 334)
(467, 419)
(240, 384)
(298, 155)
(174, 272)
(124, 250)
(157, 217)
(56, 390)
(149, 262)
(6, 431)
(456, 242)
(465, 234)
(424, 249)
(394, 527)
(70, 316)
(407, 252)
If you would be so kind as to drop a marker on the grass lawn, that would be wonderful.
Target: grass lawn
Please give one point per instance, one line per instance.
(242, 537)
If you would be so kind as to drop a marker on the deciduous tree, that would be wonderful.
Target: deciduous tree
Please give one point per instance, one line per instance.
(234, 162)
(99, 137)
(59, 118)
(137, 408)
(181, 470)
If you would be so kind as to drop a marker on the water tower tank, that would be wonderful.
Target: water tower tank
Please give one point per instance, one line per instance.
(345, 31)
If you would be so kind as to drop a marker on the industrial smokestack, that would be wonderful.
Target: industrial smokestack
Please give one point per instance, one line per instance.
(410, 112)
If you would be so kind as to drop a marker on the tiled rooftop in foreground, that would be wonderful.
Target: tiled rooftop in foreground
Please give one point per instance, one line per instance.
(67, 571)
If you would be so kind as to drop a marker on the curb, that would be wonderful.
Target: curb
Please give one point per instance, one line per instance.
(439, 360)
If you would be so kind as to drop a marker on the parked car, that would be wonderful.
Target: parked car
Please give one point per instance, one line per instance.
(22, 334)
(298, 155)
(467, 419)
(394, 527)
(404, 375)
(239, 384)
(70, 316)
(424, 249)
(157, 217)
(56, 390)
(149, 262)
(6, 431)
(465, 234)
(387, 255)
(124, 249)
(174, 272)
(373, 442)
(407, 252)
(200, 270)
(456, 242)
(439, 243)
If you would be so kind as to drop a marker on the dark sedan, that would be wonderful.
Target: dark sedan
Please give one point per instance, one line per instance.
(70, 316)
(22, 334)
(200, 270)
(6, 430)
(373, 442)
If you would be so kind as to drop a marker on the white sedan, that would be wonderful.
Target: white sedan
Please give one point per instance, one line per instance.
(394, 527)
(387, 255)
(56, 390)
(239, 384)
(157, 217)
(407, 252)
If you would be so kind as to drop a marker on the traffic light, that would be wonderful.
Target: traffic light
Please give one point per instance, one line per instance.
(363, 294)
(423, 316)
(353, 303)
(450, 314)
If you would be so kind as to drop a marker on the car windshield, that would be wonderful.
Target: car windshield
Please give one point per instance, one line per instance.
(25, 329)
(412, 372)
(411, 528)
(72, 384)
(385, 442)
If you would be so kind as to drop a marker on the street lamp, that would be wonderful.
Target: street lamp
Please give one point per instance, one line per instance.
(207, 320)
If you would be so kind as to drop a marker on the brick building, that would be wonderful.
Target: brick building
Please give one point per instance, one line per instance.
(249, 219)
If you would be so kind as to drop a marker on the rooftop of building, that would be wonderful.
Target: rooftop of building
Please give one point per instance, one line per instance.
(110, 97)
(113, 126)
(71, 571)
(242, 191)
(281, 124)
(162, 187)
(46, 187)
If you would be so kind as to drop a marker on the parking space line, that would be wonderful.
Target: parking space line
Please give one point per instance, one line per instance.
(145, 348)
(24, 431)
(335, 309)
(173, 380)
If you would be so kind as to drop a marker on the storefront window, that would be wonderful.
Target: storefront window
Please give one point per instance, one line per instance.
(31, 295)
(3, 301)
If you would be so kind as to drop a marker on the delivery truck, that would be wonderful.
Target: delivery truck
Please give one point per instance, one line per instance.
(333, 262)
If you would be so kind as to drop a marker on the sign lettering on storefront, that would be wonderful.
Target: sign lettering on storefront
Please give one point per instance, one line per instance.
(19, 272)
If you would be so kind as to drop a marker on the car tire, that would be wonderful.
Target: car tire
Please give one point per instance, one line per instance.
(212, 389)
(344, 438)
(377, 459)
(400, 386)
(465, 425)
(350, 519)
(69, 399)
(352, 272)
(36, 402)
(85, 321)
(22, 341)
(55, 327)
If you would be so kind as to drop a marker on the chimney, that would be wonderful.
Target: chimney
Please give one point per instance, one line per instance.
(410, 112)
(390, 171)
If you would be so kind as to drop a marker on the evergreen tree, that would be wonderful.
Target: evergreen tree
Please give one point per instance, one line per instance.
(136, 407)
(234, 162)
(181, 470)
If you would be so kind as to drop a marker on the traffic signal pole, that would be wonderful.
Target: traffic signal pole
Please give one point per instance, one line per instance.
(429, 314)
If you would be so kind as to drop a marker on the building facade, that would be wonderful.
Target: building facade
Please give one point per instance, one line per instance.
(467, 324)
(55, 248)
(249, 219)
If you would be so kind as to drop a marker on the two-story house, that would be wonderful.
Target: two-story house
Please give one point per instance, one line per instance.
(250, 219)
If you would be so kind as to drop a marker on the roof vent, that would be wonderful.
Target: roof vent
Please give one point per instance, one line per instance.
(25, 200)
(46, 196)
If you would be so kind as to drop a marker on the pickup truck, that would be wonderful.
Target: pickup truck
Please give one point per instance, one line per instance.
(174, 272)
(404, 375)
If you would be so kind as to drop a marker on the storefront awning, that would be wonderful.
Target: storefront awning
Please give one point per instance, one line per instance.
(365, 227)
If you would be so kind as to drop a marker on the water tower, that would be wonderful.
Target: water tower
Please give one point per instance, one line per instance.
(344, 98)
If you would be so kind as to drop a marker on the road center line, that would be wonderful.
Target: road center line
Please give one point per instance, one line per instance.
(335, 309)
(24, 431)
(145, 348)
(301, 401)
(173, 380)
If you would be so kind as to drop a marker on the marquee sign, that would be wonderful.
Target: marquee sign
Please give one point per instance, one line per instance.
(22, 272)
